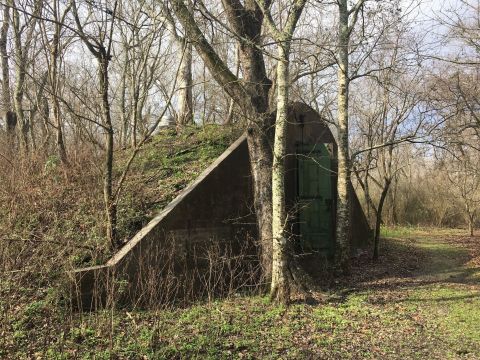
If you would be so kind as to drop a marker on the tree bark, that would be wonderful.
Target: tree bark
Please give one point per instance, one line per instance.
(378, 218)
(110, 205)
(54, 85)
(260, 153)
(281, 276)
(6, 102)
(133, 112)
(471, 222)
(18, 104)
(280, 287)
(185, 82)
(9, 116)
(20, 74)
(342, 251)
(22, 47)
(123, 104)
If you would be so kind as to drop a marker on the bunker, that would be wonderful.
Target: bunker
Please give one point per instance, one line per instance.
(173, 255)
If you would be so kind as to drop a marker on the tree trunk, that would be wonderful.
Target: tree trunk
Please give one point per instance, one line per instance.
(134, 114)
(281, 278)
(60, 144)
(394, 202)
(18, 102)
(260, 153)
(18, 96)
(378, 220)
(110, 206)
(342, 251)
(259, 129)
(123, 104)
(251, 94)
(45, 110)
(20, 73)
(185, 82)
(280, 287)
(54, 84)
(9, 116)
(471, 221)
(229, 119)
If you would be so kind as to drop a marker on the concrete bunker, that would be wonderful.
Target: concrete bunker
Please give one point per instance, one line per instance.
(216, 212)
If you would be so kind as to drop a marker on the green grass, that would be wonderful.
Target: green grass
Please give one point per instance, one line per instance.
(421, 301)
(402, 231)
(164, 167)
(430, 313)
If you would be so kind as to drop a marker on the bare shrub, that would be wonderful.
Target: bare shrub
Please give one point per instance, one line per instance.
(165, 275)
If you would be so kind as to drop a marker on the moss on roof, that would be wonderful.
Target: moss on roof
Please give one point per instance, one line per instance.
(164, 167)
(55, 218)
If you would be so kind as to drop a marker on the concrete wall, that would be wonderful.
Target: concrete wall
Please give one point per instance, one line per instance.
(307, 127)
(215, 212)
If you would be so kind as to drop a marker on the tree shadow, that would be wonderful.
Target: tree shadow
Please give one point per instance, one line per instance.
(464, 297)
(409, 263)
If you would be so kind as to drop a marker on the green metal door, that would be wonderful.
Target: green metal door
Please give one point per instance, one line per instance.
(315, 199)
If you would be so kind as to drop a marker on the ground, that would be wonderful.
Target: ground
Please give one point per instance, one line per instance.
(420, 301)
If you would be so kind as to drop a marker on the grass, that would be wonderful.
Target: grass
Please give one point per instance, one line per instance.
(164, 167)
(420, 301)
(61, 209)
(52, 220)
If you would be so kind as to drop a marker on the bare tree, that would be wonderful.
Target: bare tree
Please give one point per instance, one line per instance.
(142, 39)
(55, 48)
(251, 93)
(184, 81)
(388, 111)
(23, 35)
(462, 171)
(347, 21)
(280, 287)
(100, 46)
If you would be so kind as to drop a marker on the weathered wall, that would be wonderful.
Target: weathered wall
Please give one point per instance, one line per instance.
(361, 235)
(215, 212)
(307, 127)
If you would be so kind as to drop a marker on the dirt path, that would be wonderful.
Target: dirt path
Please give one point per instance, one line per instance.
(425, 294)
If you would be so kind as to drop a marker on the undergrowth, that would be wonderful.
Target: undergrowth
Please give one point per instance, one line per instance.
(52, 219)
(420, 300)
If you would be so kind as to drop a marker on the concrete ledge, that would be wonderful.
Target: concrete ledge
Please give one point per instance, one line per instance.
(181, 227)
